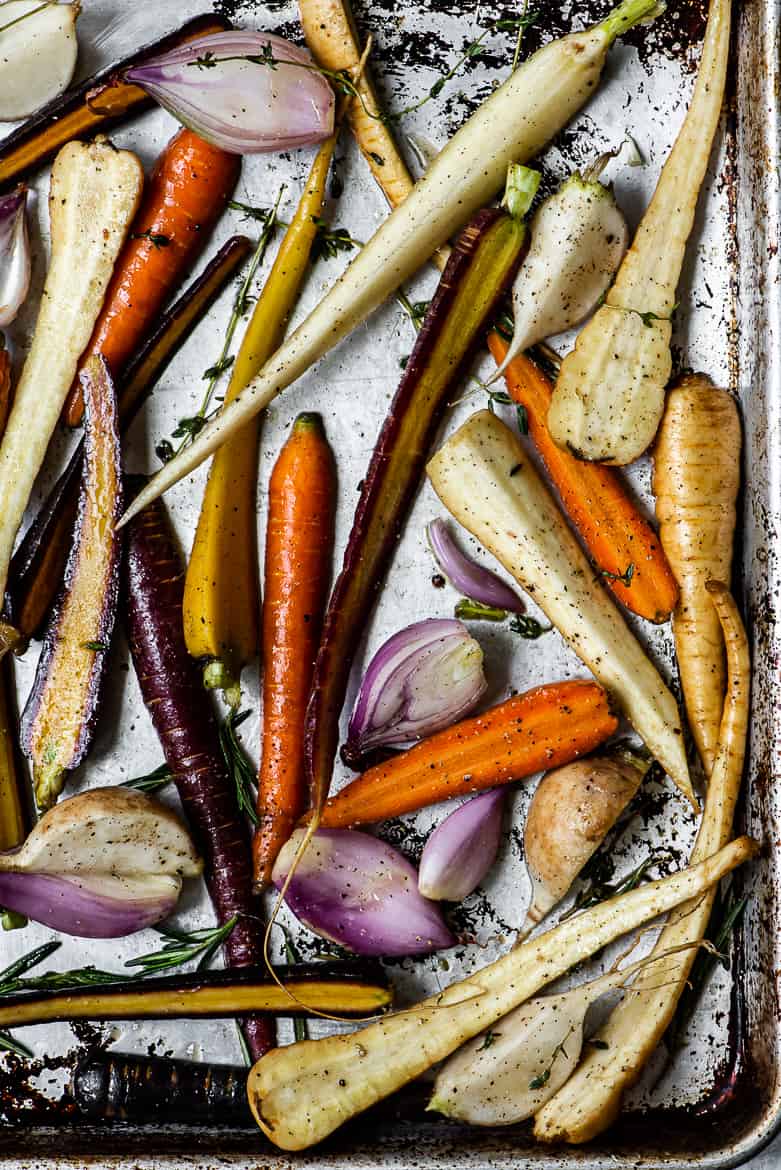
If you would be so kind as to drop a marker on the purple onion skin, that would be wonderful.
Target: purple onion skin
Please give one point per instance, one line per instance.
(64, 905)
(32, 561)
(183, 718)
(467, 576)
(101, 447)
(59, 122)
(386, 497)
(462, 849)
(362, 894)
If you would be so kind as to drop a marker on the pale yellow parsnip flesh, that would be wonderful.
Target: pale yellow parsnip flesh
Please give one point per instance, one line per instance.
(485, 478)
(303, 1092)
(591, 1100)
(609, 396)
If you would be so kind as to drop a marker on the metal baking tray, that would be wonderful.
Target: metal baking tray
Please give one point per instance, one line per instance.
(720, 1101)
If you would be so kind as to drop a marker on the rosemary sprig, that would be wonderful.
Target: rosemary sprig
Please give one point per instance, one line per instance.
(7, 1041)
(183, 947)
(239, 767)
(188, 428)
(151, 781)
(596, 891)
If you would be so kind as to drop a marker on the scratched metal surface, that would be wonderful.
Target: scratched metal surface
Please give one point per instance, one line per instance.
(728, 326)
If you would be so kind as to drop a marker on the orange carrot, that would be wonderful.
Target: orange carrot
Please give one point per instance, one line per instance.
(622, 544)
(545, 727)
(187, 191)
(299, 542)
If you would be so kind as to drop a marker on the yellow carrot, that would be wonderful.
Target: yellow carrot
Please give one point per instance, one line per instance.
(222, 594)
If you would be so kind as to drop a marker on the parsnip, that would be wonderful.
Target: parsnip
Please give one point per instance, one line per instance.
(484, 476)
(93, 197)
(303, 1092)
(590, 1101)
(696, 480)
(609, 396)
(512, 125)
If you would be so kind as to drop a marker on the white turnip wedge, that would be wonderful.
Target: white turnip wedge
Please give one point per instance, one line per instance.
(485, 478)
(511, 126)
(609, 396)
(303, 1092)
(94, 193)
(590, 1101)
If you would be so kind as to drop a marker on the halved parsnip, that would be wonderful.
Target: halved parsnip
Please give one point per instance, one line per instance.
(484, 476)
(303, 1092)
(94, 193)
(590, 1101)
(696, 480)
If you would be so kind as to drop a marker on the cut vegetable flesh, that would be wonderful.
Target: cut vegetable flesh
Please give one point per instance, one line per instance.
(60, 716)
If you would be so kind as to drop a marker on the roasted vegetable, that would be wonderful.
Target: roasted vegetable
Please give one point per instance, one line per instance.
(485, 477)
(502, 1077)
(38, 563)
(93, 105)
(590, 1101)
(93, 196)
(262, 93)
(187, 191)
(182, 715)
(512, 125)
(302, 1093)
(483, 262)
(299, 546)
(317, 987)
(572, 811)
(462, 848)
(61, 715)
(14, 810)
(15, 265)
(546, 726)
(696, 480)
(221, 592)
(597, 501)
(609, 394)
(578, 238)
(109, 1086)
(103, 864)
(38, 48)
(359, 892)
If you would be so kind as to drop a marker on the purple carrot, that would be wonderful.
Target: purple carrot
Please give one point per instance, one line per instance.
(183, 718)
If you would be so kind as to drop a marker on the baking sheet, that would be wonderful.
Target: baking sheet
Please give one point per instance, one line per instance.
(727, 327)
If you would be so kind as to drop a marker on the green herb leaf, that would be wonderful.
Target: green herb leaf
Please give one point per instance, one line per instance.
(9, 1044)
(625, 578)
(152, 781)
(541, 1081)
(183, 947)
(214, 371)
(469, 610)
(97, 647)
(330, 241)
(240, 769)
(490, 1038)
(528, 627)
(157, 240)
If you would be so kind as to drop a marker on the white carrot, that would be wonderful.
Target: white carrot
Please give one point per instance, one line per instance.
(512, 125)
(484, 476)
(609, 396)
(591, 1099)
(93, 197)
(303, 1092)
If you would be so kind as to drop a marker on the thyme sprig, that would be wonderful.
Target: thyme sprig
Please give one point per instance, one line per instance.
(187, 428)
(625, 578)
(528, 627)
(153, 781)
(539, 1082)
